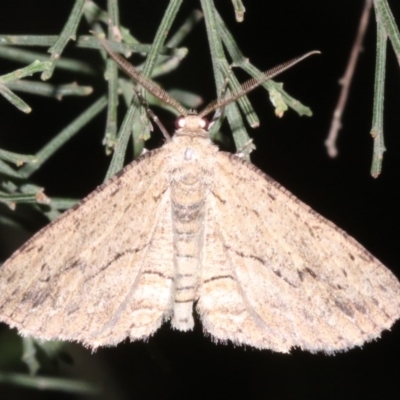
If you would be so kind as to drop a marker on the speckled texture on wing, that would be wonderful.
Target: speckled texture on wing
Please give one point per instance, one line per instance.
(101, 272)
(276, 274)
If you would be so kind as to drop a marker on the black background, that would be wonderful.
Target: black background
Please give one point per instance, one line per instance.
(290, 149)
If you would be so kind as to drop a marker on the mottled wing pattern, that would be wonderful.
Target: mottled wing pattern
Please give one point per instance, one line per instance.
(74, 281)
(277, 275)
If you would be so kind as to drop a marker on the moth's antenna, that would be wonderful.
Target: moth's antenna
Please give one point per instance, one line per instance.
(143, 80)
(253, 83)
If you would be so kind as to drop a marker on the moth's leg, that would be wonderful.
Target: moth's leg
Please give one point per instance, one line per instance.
(220, 111)
(246, 149)
(151, 114)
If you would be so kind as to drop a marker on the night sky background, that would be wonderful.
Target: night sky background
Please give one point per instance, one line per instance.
(291, 150)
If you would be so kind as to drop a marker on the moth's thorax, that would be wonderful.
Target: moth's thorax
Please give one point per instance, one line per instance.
(190, 155)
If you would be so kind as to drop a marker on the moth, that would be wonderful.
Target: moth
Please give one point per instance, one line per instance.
(188, 226)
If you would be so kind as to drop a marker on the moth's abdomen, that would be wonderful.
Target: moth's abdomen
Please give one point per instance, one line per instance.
(188, 210)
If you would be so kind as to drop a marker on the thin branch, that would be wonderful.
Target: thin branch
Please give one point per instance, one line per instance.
(385, 17)
(345, 82)
(379, 96)
(68, 33)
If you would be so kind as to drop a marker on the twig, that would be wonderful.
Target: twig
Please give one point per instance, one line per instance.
(345, 82)
(379, 96)
(385, 17)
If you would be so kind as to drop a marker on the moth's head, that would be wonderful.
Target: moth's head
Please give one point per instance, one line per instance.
(191, 122)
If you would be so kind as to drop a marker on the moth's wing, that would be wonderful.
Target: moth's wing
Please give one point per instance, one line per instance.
(276, 274)
(102, 271)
